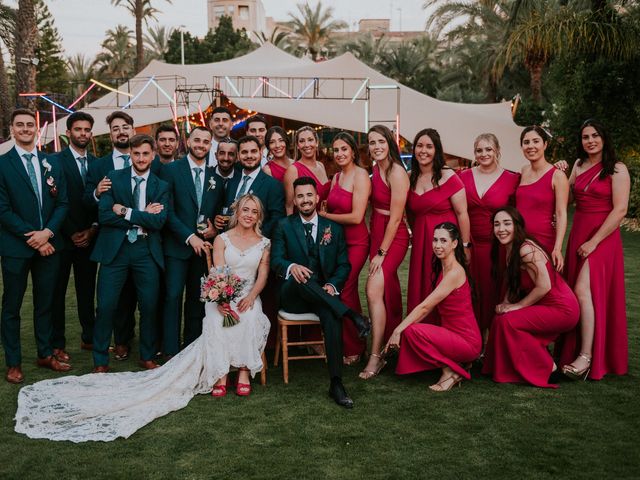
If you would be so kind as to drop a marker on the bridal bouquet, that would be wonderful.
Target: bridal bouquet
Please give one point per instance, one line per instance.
(222, 287)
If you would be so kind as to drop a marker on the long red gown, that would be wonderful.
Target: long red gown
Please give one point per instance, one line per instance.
(455, 341)
(606, 273)
(323, 188)
(428, 210)
(516, 350)
(481, 210)
(537, 204)
(277, 171)
(381, 199)
(357, 237)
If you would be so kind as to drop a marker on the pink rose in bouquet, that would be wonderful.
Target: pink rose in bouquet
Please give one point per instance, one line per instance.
(223, 287)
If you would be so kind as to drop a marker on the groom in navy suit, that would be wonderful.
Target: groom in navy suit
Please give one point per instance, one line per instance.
(131, 214)
(33, 205)
(310, 253)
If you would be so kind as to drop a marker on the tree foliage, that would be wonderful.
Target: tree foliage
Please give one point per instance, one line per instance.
(51, 73)
(312, 29)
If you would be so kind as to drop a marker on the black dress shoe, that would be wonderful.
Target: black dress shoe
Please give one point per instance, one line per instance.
(339, 394)
(361, 322)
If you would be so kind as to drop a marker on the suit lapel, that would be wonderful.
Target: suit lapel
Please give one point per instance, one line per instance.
(298, 229)
(152, 188)
(72, 167)
(322, 224)
(17, 164)
(44, 175)
(232, 188)
(256, 185)
(187, 179)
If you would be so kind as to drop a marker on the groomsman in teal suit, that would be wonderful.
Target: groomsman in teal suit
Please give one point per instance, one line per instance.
(197, 194)
(78, 231)
(33, 205)
(121, 130)
(167, 143)
(253, 180)
(310, 253)
(131, 214)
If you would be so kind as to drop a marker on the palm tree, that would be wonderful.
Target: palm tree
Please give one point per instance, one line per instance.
(7, 27)
(115, 60)
(367, 48)
(312, 28)
(278, 38)
(156, 41)
(81, 69)
(26, 38)
(142, 10)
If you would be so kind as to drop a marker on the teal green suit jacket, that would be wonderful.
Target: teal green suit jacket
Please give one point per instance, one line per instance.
(19, 204)
(289, 245)
(183, 208)
(113, 228)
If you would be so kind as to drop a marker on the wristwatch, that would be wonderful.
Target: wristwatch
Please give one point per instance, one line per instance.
(467, 244)
(382, 252)
(123, 211)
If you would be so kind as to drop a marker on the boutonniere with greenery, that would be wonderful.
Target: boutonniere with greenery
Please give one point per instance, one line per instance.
(53, 189)
(212, 183)
(326, 236)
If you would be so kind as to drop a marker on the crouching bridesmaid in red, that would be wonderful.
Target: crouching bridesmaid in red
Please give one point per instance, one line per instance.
(456, 341)
(538, 307)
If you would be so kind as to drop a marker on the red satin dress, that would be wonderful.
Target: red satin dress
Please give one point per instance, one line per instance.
(606, 273)
(428, 210)
(481, 210)
(516, 351)
(381, 199)
(455, 341)
(277, 171)
(357, 237)
(323, 188)
(536, 203)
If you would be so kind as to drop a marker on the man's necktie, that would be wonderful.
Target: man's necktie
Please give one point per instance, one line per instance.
(83, 168)
(132, 234)
(308, 230)
(126, 160)
(243, 187)
(34, 182)
(198, 184)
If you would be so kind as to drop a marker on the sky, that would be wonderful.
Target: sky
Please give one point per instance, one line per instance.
(83, 23)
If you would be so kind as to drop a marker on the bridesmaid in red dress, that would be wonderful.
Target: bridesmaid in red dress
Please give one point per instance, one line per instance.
(595, 261)
(436, 195)
(456, 341)
(277, 143)
(488, 187)
(543, 195)
(306, 165)
(389, 242)
(347, 204)
(538, 307)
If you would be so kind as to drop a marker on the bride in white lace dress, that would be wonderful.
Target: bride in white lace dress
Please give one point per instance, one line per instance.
(105, 406)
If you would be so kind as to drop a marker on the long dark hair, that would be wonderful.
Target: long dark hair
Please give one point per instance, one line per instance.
(438, 158)
(514, 260)
(349, 140)
(609, 158)
(394, 151)
(280, 131)
(436, 264)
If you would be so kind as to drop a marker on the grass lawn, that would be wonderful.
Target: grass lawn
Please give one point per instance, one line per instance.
(398, 429)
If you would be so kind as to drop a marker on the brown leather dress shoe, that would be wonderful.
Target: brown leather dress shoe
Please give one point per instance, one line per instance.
(86, 346)
(121, 352)
(61, 355)
(52, 363)
(101, 369)
(148, 364)
(14, 375)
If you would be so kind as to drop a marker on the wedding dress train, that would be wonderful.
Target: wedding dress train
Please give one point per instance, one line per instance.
(103, 407)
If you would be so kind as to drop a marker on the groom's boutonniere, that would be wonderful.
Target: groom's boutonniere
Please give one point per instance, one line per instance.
(46, 165)
(53, 189)
(326, 236)
(212, 183)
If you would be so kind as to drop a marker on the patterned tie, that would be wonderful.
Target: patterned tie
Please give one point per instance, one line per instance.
(243, 187)
(132, 234)
(125, 159)
(308, 230)
(83, 169)
(34, 182)
(198, 183)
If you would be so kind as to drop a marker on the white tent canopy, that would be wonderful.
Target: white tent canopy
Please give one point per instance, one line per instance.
(340, 79)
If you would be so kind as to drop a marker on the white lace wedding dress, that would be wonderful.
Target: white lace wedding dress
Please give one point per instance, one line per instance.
(103, 407)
